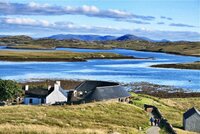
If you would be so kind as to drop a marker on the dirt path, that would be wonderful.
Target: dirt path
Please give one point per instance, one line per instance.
(153, 130)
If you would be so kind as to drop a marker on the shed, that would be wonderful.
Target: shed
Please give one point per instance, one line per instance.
(191, 120)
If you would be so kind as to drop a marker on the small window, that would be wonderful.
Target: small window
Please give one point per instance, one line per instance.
(30, 101)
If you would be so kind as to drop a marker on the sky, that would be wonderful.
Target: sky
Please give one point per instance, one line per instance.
(156, 19)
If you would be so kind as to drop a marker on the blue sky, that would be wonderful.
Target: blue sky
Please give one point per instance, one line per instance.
(155, 19)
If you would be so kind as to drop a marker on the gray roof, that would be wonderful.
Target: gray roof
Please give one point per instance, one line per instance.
(102, 90)
(42, 93)
(38, 93)
(190, 112)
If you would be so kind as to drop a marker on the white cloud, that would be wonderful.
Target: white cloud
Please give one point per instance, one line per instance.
(20, 24)
(89, 9)
(37, 5)
(34, 8)
(26, 21)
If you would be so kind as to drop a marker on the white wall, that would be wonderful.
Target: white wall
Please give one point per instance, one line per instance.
(56, 96)
(35, 101)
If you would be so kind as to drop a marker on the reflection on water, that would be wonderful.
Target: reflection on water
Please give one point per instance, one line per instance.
(113, 70)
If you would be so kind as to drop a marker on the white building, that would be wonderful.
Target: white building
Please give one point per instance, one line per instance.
(45, 96)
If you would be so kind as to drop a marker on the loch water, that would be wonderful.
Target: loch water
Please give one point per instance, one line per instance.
(123, 70)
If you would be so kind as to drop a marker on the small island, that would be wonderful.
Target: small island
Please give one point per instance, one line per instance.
(57, 56)
(193, 65)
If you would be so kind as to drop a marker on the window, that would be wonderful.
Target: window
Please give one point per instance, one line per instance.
(42, 100)
(30, 101)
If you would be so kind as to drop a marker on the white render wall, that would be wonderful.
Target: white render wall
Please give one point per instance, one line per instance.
(56, 96)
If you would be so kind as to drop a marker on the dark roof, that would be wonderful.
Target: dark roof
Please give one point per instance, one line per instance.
(90, 85)
(101, 90)
(190, 112)
(38, 93)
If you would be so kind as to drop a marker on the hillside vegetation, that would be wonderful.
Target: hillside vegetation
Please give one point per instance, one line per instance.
(181, 47)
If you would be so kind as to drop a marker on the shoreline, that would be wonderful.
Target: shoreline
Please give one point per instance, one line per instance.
(59, 56)
(161, 91)
(65, 60)
(193, 65)
(103, 48)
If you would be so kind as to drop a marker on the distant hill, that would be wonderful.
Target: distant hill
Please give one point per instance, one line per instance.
(82, 37)
(126, 37)
(130, 37)
(3, 36)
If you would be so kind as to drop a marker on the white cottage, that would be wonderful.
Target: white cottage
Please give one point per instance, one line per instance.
(45, 96)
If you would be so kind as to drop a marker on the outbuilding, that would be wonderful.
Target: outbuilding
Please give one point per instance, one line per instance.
(191, 120)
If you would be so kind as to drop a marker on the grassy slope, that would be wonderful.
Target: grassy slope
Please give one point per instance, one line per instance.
(54, 56)
(87, 118)
(194, 65)
(99, 117)
(172, 108)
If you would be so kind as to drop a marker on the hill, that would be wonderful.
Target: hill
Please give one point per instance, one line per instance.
(129, 37)
(180, 47)
(82, 37)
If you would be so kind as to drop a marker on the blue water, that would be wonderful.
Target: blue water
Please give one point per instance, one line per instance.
(126, 70)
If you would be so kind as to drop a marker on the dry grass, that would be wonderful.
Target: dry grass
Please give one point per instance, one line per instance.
(106, 116)
(42, 129)
(172, 108)
(180, 131)
(57, 55)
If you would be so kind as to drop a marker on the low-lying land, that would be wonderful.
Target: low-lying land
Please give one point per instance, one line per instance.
(180, 47)
(194, 65)
(57, 56)
(161, 91)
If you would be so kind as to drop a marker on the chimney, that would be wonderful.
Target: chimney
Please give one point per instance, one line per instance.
(58, 82)
(26, 87)
(56, 86)
(49, 87)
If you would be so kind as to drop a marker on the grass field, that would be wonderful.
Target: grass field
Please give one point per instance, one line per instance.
(56, 56)
(94, 118)
(100, 118)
